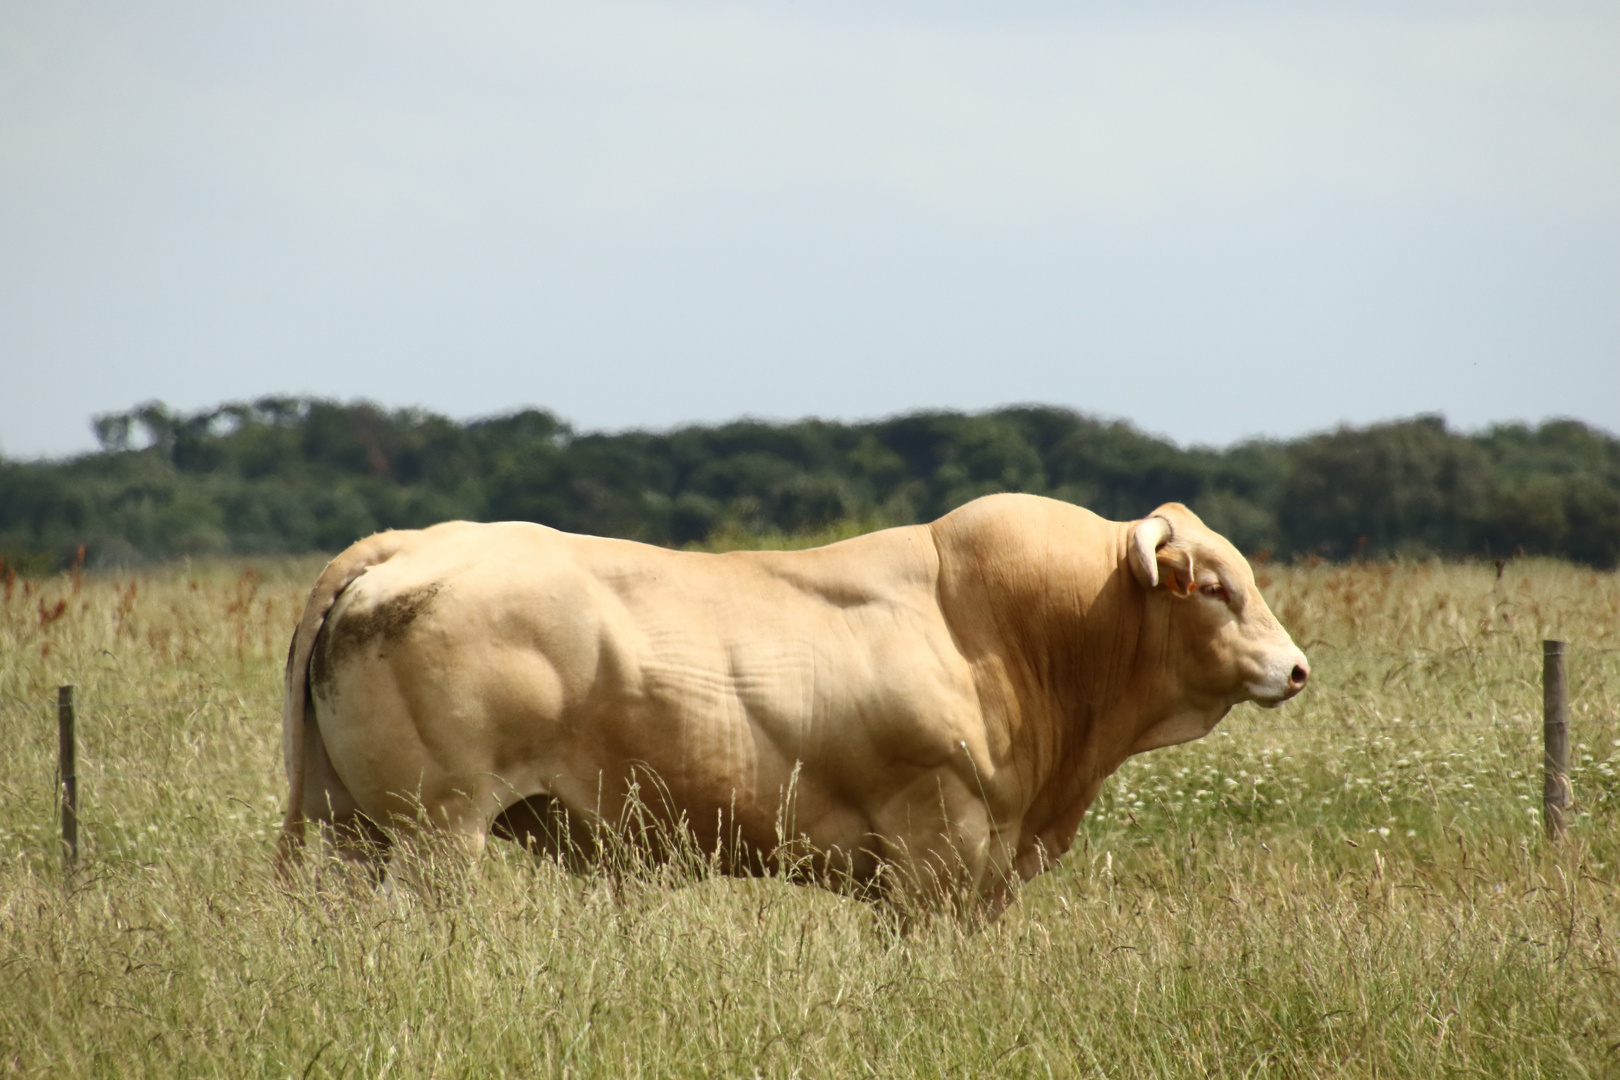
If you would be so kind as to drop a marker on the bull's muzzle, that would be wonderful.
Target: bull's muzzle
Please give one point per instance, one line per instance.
(1278, 688)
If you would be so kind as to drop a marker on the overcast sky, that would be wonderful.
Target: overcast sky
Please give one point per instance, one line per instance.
(1214, 219)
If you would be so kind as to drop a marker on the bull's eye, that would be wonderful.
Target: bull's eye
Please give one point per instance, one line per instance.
(1215, 592)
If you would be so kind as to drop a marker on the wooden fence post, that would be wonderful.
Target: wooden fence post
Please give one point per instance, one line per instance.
(1555, 789)
(67, 769)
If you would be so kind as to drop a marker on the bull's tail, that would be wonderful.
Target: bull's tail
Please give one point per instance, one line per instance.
(297, 709)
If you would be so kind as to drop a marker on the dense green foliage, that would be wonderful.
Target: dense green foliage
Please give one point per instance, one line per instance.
(298, 474)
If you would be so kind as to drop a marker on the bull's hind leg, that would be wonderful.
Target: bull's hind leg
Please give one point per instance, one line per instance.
(437, 848)
(433, 793)
(359, 845)
(355, 842)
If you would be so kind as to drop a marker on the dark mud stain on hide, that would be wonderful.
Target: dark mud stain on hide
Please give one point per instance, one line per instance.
(384, 623)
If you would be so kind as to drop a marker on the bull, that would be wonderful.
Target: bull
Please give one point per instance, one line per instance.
(924, 712)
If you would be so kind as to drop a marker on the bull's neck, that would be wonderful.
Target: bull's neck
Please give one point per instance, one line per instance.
(1068, 678)
(1102, 667)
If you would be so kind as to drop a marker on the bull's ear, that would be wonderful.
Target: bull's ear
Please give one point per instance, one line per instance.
(1176, 566)
(1150, 534)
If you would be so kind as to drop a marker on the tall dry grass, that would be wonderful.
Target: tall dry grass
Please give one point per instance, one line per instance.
(1353, 885)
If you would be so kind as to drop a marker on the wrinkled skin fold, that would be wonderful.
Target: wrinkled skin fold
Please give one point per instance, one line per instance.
(923, 712)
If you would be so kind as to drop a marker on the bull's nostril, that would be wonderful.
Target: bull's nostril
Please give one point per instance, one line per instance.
(1298, 676)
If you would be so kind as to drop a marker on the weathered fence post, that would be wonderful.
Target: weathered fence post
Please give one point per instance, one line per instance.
(67, 769)
(1555, 790)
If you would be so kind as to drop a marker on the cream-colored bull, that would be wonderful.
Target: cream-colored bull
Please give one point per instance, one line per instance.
(924, 710)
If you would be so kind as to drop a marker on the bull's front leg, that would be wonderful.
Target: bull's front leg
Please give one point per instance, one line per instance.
(944, 850)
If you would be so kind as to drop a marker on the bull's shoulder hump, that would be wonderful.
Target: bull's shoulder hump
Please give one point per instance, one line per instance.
(1018, 512)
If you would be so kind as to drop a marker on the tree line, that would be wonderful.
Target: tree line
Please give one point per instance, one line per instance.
(299, 474)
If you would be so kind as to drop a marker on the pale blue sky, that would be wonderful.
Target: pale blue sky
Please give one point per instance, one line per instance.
(1214, 219)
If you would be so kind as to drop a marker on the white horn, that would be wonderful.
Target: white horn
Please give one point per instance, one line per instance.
(1150, 534)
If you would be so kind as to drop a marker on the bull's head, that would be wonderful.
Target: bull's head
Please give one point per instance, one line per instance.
(1222, 640)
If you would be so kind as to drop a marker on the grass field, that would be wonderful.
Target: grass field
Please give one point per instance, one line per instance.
(1354, 885)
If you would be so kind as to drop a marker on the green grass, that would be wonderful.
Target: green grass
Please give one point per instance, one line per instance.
(1354, 885)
